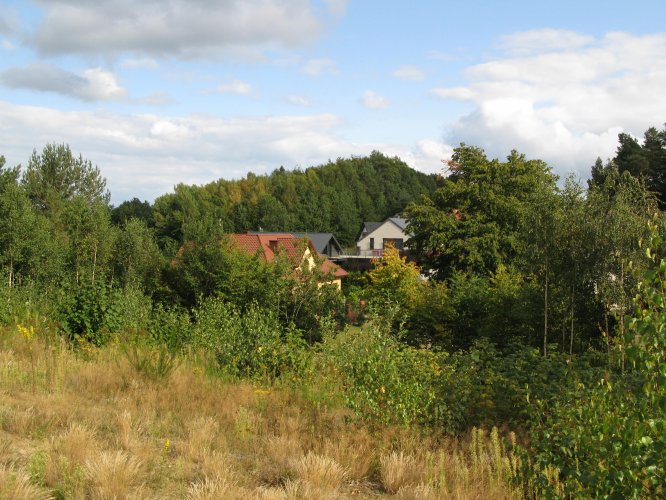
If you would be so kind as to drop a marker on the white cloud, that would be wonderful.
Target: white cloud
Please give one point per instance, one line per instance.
(7, 45)
(234, 87)
(101, 85)
(94, 84)
(372, 100)
(538, 40)
(426, 155)
(157, 98)
(410, 73)
(146, 155)
(141, 63)
(336, 7)
(461, 93)
(318, 67)
(175, 28)
(566, 99)
(298, 100)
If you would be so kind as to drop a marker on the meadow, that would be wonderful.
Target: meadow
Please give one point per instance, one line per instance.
(87, 423)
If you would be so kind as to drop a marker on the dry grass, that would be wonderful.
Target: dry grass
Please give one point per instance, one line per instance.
(86, 425)
(398, 471)
(18, 486)
(320, 472)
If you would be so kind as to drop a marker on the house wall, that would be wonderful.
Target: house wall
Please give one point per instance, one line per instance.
(386, 230)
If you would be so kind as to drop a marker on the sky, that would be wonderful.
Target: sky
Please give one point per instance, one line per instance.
(161, 92)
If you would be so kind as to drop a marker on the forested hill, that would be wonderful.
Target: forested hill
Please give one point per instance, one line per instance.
(336, 197)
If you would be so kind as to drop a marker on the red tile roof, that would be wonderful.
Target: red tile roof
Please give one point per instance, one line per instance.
(268, 245)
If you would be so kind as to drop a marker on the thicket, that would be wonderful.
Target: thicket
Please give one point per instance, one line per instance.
(533, 305)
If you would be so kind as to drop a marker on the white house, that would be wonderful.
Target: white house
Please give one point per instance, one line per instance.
(374, 236)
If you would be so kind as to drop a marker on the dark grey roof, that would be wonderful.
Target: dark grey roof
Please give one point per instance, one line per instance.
(367, 228)
(400, 222)
(320, 240)
(371, 226)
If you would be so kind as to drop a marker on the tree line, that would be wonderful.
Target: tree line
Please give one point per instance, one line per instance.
(534, 303)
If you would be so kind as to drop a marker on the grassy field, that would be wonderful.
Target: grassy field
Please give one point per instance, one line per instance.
(87, 424)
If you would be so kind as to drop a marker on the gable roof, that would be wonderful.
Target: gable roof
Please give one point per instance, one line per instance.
(268, 245)
(320, 240)
(371, 227)
(367, 228)
(399, 221)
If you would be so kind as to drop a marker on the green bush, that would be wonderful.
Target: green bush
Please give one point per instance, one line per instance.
(387, 381)
(249, 344)
(608, 439)
(90, 312)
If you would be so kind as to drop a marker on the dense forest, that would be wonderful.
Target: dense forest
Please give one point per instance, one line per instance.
(333, 198)
(534, 303)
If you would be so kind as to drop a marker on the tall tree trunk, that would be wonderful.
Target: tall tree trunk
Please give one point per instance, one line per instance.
(622, 295)
(11, 272)
(571, 334)
(94, 263)
(545, 315)
(608, 339)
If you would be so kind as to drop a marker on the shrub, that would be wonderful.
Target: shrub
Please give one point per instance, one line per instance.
(389, 382)
(608, 439)
(249, 344)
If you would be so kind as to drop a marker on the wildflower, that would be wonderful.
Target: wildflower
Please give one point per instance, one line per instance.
(27, 332)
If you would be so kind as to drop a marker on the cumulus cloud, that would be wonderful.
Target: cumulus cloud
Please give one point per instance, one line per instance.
(140, 63)
(336, 7)
(372, 100)
(318, 67)
(176, 28)
(563, 96)
(94, 84)
(539, 40)
(409, 73)
(146, 155)
(7, 45)
(234, 87)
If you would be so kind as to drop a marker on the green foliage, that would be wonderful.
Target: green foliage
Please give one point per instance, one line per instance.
(393, 280)
(249, 344)
(56, 176)
(609, 439)
(471, 222)
(336, 197)
(387, 381)
(91, 312)
(136, 258)
(155, 362)
(646, 161)
(133, 209)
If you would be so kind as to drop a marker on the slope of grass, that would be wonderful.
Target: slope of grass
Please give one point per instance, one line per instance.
(86, 424)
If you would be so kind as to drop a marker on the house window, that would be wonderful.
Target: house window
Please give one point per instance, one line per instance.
(372, 243)
(396, 242)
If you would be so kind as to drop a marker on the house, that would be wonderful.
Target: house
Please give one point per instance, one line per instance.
(325, 243)
(374, 236)
(269, 245)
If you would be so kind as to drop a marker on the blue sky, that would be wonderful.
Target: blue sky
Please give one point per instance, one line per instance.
(159, 92)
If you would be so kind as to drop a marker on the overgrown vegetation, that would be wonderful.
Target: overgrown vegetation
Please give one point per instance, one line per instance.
(524, 305)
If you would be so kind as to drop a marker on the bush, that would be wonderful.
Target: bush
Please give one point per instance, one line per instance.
(90, 312)
(249, 344)
(387, 381)
(608, 439)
